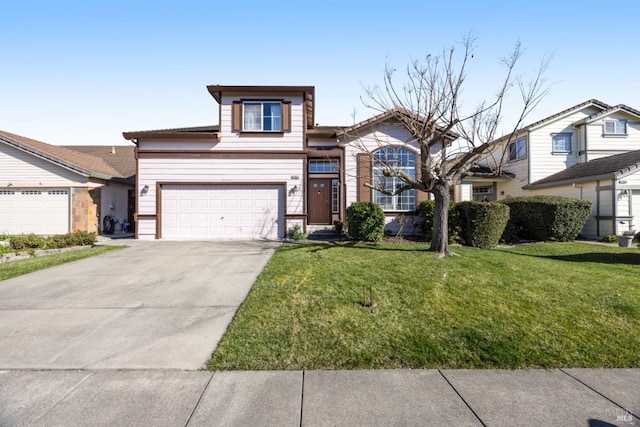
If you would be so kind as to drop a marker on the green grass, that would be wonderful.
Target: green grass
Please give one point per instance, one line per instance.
(18, 268)
(531, 306)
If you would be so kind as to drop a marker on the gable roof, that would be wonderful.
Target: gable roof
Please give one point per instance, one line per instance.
(609, 111)
(602, 168)
(81, 163)
(590, 102)
(388, 115)
(120, 157)
(197, 132)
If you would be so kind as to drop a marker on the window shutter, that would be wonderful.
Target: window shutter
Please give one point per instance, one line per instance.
(286, 116)
(364, 177)
(236, 116)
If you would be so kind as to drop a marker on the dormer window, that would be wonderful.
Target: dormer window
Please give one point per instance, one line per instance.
(615, 127)
(262, 116)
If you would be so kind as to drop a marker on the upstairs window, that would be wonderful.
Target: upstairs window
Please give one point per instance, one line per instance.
(518, 149)
(615, 127)
(262, 116)
(561, 142)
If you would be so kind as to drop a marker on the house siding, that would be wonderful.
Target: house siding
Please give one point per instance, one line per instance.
(213, 170)
(543, 160)
(288, 141)
(599, 145)
(22, 169)
(371, 141)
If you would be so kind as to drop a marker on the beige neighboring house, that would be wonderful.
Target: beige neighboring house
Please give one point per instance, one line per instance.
(588, 151)
(48, 189)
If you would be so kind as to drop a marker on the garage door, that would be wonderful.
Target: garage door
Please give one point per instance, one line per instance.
(34, 211)
(222, 211)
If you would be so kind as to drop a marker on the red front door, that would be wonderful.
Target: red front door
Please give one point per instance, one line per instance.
(319, 201)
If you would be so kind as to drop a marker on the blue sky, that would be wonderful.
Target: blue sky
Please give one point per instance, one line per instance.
(82, 72)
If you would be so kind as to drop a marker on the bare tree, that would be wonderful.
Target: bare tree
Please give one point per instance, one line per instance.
(428, 104)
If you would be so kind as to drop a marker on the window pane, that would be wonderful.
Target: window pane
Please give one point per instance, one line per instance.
(609, 126)
(396, 159)
(562, 143)
(252, 113)
(272, 119)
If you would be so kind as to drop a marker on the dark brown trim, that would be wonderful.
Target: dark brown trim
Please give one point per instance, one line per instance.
(304, 185)
(160, 184)
(324, 154)
(137, 189)
(363, 174)
(175, 154)
(158, 210)
(236, 116)
(217, 90)
(286, 116)
(146, 216)
(261, 133)
(201, 136)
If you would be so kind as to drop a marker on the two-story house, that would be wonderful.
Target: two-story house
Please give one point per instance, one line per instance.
(587, 151)
(264, 169)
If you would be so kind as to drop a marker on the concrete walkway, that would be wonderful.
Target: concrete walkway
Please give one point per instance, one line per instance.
(572, 397)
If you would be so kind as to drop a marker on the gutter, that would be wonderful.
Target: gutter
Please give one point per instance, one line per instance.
(569, 181)
(52, 160)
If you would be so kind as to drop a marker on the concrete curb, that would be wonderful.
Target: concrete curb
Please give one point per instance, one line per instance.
(17, 256)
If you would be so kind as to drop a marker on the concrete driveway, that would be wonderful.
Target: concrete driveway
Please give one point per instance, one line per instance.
(155, 305)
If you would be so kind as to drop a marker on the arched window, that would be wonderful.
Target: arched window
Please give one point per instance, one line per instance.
(394, 159)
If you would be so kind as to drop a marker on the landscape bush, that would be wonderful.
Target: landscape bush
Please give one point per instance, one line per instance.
(34, 241)
(426, 209)
(482, 223)
(546, 218)
(365, 221)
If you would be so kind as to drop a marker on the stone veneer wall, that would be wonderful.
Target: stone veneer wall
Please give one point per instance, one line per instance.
(84, 209)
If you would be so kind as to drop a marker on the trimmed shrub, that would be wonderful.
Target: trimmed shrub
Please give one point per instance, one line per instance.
(545, 218)
(482, 223)
(33, 241)
(425, 210)
(27, 241)
(365, 221)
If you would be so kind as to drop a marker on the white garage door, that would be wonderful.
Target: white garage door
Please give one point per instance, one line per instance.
(34, 211)
(222, 211)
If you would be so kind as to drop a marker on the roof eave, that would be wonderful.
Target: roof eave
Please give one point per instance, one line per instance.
(50, 159)
(201, 136)
(580, 180)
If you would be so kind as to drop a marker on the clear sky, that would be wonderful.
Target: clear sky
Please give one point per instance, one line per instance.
(82, 72)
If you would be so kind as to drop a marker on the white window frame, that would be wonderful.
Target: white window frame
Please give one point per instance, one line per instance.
(555, 138)
(408, 197)
(518, 154)
(245, 122)
(619, 127)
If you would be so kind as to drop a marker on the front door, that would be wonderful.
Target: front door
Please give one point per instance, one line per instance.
(319, 201)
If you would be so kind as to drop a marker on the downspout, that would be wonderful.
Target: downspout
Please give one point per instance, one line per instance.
(598, 208)
(528, 158)
(614, 201)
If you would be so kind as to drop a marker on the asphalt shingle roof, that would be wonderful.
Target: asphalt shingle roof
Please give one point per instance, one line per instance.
(84, 163)
(610, 166)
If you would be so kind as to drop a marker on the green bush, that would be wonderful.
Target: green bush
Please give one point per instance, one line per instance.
(27, 241)
(426, 209)
(544, 218)
(365, 221)
(296, 233)
(482, 223)
(33, 241)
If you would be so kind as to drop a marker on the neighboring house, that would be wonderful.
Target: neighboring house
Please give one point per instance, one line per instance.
(264, 169)
(586, 151)
(47, 189)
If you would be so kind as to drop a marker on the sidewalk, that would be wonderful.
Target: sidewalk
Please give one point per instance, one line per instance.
(568, 397)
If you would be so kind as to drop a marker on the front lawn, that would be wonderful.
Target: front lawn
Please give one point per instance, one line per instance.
(18, 268)
(532, 306)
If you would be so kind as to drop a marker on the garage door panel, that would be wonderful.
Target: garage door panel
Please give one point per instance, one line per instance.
(34, 211)
(223, 211)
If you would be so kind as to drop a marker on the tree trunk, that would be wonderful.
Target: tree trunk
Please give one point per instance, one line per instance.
(440, 239)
